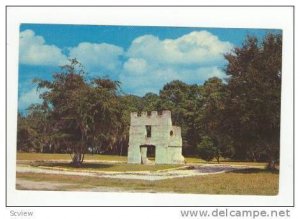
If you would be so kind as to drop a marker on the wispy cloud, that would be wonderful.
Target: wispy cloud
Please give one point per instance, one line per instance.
(29, 97)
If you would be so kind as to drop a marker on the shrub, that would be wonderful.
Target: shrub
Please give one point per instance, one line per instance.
(206, 149)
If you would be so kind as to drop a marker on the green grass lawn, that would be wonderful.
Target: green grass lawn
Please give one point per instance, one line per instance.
(252, 182)
(44, 156)
(100, 157)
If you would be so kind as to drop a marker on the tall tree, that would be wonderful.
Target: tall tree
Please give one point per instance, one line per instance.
(26, 135)
(211, 122)
(182, 100)
(253, 104)
(151, 102)
(85, 113)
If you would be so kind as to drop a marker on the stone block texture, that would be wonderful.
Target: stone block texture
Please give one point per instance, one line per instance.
(154, 130)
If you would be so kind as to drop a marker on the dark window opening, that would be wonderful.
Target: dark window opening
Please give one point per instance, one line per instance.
(148, 129)
(171, 133)
(151, 152)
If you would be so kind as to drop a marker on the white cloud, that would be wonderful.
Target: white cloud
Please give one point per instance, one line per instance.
(97, 56)
(194, 48)
(154, 80)
(135, 66)
(191, 58)
(28, 98)
(35, 51)
(146, 66)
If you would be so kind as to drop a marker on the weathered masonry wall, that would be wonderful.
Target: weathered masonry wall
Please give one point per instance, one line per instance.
(162, 134)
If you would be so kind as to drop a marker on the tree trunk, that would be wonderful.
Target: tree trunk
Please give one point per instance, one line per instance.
(271, 159)
(78, 153)
(77, 159)
(77, 156)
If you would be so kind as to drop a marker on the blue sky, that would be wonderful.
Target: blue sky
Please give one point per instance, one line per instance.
(143, 59)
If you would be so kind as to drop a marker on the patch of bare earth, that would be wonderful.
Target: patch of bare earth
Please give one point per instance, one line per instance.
(22, 184)
(140, 175)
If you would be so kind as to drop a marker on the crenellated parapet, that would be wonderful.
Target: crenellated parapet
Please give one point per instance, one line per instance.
(148, 129)
(153, 118)
(152, 114)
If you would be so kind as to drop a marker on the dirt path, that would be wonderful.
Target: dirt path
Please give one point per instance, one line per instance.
(23, 184)
(140, 175)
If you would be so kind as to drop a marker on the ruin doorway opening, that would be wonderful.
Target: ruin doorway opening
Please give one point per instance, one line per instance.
(147, 154)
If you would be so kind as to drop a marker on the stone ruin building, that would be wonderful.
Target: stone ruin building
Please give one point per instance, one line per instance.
(154, 130)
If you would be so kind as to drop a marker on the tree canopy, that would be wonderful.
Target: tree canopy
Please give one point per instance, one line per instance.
(253, 97)
(238, 118)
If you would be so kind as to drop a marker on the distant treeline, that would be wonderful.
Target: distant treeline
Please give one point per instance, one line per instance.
(238, 118)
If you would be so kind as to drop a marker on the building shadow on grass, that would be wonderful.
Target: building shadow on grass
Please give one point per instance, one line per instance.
(70, 165)
(254, 170)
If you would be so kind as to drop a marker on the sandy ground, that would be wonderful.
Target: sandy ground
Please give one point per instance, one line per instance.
(139, 175)
(197, 170)
(22, 184)
(33, 185)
